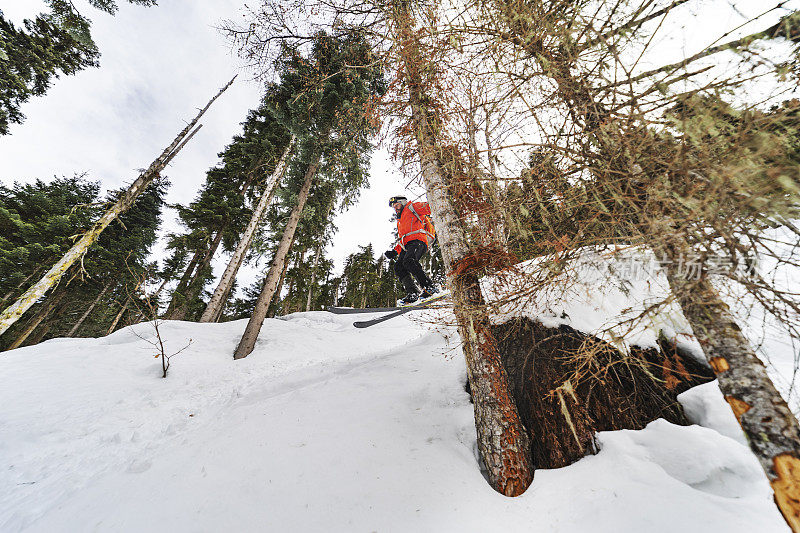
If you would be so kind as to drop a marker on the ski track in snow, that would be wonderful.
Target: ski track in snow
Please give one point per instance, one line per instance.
(327, 428)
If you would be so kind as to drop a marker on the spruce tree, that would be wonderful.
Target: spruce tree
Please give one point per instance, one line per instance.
(43, 218)
(218, 216)
(54, 43)
(36, 223)
(324, 101)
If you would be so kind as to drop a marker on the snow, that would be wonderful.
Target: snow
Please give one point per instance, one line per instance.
(326, 427)
(606, 293)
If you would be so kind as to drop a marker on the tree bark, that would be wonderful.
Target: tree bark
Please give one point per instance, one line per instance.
(117, 318)
(771, 428)
(195, 285)
(124, 308)
(273, 308)
(250, 336)
(125, 201)
(313, 277)
(223, 290)
(46, 309)
(183, 283)
(10, 293)
(40, 334)
(502, 439)
(88, 311)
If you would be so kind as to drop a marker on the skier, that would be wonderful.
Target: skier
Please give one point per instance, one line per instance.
(416, 233)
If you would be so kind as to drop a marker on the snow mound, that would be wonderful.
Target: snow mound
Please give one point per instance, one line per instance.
(603, 294)
(323, 427)
(704, 405)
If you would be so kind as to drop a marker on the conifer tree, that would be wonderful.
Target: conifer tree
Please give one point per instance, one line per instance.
(46, 216)
(53, 276)
(219, 215)
(58, 42)
(502, 438)
(275, 173)
(662, 190)
(36, 223)
(325, 101)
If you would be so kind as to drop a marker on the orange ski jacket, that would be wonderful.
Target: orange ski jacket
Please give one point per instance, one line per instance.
(410, 227)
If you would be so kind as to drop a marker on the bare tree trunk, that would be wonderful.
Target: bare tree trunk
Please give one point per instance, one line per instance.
(502, 439)
(182, 301)
(39, 334)
(183, 283)
(117, 318)
(223, 290)
(273, 308)
(124, 308)
(46, 309)
(125, 201)
(313, 277)
(250, 336)
(88, 311)
(771, 428)
(159, 290)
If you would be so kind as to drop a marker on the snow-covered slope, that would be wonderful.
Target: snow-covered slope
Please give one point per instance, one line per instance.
(325, 427)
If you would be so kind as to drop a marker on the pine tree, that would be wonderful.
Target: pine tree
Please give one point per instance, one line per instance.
(126, 200)
(58, 42)
(325, 101)
(219, 215)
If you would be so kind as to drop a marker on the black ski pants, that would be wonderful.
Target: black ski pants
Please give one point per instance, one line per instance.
(408, 263)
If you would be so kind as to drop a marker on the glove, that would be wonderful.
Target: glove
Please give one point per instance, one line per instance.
(390, 254)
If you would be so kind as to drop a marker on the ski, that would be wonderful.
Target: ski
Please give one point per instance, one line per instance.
(399, 311)
(356, 310)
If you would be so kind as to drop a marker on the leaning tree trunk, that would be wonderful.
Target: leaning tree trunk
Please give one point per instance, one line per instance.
(41, 332)
(313, 277)
(24, 282)
(770, 426)
(273, 308)
(125, 201)
(117, 318)
(220, 296)
(88, 311)
(46, 309)
(248, 341)
(183, 282)
(502, 439)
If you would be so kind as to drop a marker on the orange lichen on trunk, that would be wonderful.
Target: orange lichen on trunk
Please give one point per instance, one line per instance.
(738, 406)
(719, 364)
(787, 488)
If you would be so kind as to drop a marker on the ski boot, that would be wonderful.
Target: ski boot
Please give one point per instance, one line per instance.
(428, 291)
(410, 298)
(412, 293)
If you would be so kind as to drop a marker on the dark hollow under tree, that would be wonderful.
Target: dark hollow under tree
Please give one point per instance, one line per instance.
(568, 385)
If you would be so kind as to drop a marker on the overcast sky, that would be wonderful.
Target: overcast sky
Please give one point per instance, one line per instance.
(158, 65)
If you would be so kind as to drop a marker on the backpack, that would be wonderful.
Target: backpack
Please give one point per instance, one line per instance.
(427, 223)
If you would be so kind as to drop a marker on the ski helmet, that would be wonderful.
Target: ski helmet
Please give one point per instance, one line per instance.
(395, 199)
